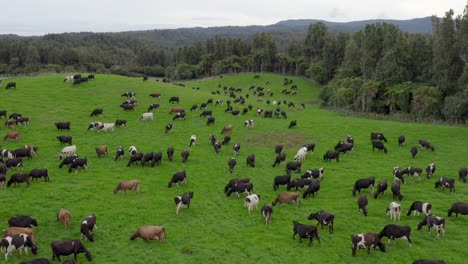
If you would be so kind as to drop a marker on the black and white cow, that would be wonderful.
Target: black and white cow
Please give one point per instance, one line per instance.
(251, 160)
(267, 212)
(430, 170)
(414, 151)
(281, 180)
(279, 158)
(78, 162)
(169, 127)
(293, 166)
(413, 171)
(226, 140)
(39, 173)
(366, 241)
(67, 247)
(377, 136)
(458, 208)
(251, 201)
(323, 218)
(68, 160)
(433, 222)
(314, 173)
(462, 173)
(329, 155)
(22, 221)
(183, 200)
(381, 188)
(397, 175)
(305, 231)
(217, 146)
(180, 115)
(193, 140)
(17, 242)
(419, 207)
(153, 107)
(362, 203)
(94, 125)
(445, 182)
(232, 164)
(394, 210)
(129, 95)
(396, 191)
(178, 178)
(376, 144)
(206, 113)
(241, 187)
(401, 140)
(395, 231)
(65, 139)
(363, 184)
(249, 123)
(236, 148)
(425, 144)
(119, 153)
(87, 226)
(313, 188)
(5, 153)
(299, 183)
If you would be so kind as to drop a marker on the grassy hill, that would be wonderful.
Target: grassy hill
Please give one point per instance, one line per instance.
(216, 228)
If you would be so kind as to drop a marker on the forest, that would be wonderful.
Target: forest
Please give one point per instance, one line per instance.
(380, 69)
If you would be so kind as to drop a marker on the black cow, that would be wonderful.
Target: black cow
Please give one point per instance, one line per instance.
(10, 85)
(293, 123)
(178, 178)
(210, 120)
(183, 200)
(78, 162)
(362, 203)
(433, 221)
(381, 188)
(349, 139)
(305, 231)
(18, 178)
(310, 146)
(147, 158)
(299, 183)
(157, 158)
(170, 153)
(313, 188)
(65, 139)
(413, 171)
(15, 116)
(2, 180)
(22, 153)
(346, 147)
(323, 218)
(128, 107)
(377, 136)
(423, 143)
(414, 151)
(281, 180)
(67, 247)
(232, 164)
(419, 207)
(174, 99)
(87, 226)
(14, 162)
(17, 242)
(203, 105)
(278, 149)
(279, 158)
(233, 182)
(3, 113)
(458, 208)
(121, 122)
(39, 173)
(430, 170)
(68, 160)
(239, 188)
(329, 155)
(445, 182)
(153, 107)
(376, 144)
(36, 261)
(401, 140)
(366, 241)
(395, 231)
(396, 191)
(206, 113)
(462, 173)
(338, 145)
(194, 107)
(428, 261)
(293, 166)
(22, 221)
(62, 126)
(251, 160)
(97, 112)
(363, 184)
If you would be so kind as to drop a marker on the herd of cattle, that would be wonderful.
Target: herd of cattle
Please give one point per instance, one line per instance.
(20, 235)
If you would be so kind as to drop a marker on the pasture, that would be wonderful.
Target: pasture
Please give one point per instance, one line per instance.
(216, 228)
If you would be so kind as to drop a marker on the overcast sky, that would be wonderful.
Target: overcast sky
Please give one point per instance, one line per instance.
(39, 17)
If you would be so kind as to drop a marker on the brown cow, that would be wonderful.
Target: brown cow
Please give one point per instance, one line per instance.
(12, 135)
(128, 185)
(10, 123)
(155, 95)
(226, 129)
(101, 150)
(177, 110)
(287, 197)
(147, 232)
(64, 216)
(11, 231)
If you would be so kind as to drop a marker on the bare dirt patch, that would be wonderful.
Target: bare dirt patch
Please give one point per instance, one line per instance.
(288, 140)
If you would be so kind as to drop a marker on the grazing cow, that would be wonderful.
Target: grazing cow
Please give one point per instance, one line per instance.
(281, 180)
(251, 160)
(174, 99)
(426, 144)
(293, 123)
(433, 222)
(395, 231)
(3, 113)
(62, 126)
(396, 191)
(458, 208)
(128, 185)
(462, 173)
(313, 188)
(68, 160)
(287, 197)
(10, 85)
(185, 154)
(226, 129)
(65, 139)
(94, 125)
(129, 95)
(419, 207)
(39, 173)
(428, 261)
(251, 201)
(106, 127)
(78, 162)
(18, 178)
(14, 116)
(132, 150)
(14, 162)
(147, 158)
(293, 166)
(414, 151)
(137, 157)
(323, 218)
(362, 203)
(299, 183)
(235, 112)
(10, 123)
(119, 153)
(378, 136)
(12, 135)
(183, 200)
(249, 123)
(232, 164)
(97, 112)
(346, 147)
(22, 121)
(445, 182)
(240, 187)
(394, 210)
(301, 154)
(169, 127)
(194, 107)
(64, 216)
(128, 107)
(5, 153)
(279, 158)
(397, 175)
(101, 150)
(157, 158)
(236, 148)
(22, 153)
(2, 181)
(67, 151)
(153, 107)
(147, 232)
(210, 120)
(87, 226)
(22, 221)
(376, 144)
(67, 247)
(305, 231)
(120, 122)
(329, 155)
(206, 113)
(430, 170)
(401, 140)
(170, 153)
(381, 188)
(17, 242)
(363, 184)
(146, 116)
(178, 178)
(233, 182)
(366, 241)
(278, 149)
(267, 212)
(217, 146)
(180, 115)
(412, 171)
(11, 231)
(155, 95)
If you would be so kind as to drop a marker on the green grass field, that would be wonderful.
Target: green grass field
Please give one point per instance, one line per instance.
(216, 228)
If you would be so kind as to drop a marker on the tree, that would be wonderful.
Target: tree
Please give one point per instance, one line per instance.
(315, 40)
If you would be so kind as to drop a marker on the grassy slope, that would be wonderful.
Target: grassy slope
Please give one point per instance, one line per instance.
(217, 228)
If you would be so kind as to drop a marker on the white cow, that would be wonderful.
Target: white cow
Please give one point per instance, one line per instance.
(146, 116)
(251, 201)
(394, 210)
(106, 127)
(249, 123)
(301, 154)
(68, 151)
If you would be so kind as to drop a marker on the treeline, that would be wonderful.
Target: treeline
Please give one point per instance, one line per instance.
(380, 69)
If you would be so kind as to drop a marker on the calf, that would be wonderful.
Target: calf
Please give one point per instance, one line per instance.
(433, 222)
(445, 182)
(362, 203)
(62, 126)
(414, 151)
(279, 158)
(128, 185)
(251, 201)
(462, 173)
(381, 188)
(97, 112)
(376, 144)
(430, 170)
(394, 210)
(305, 231)
(239, 188)
(419, 207)
(329, 155)
(378, 136)
(366, 241)
(78, 162)
(178, 178)
(22, 221)
(147, 232)
(458, 208)
(64, 216)
(65, 139)
(323, 218)
(39, 173)
(293, 166)
(395, 231)
(281, 180)
(401, 140)
(183, 200)
(87, 226)
(286, 197)
(101, 150)
(170, 153)
(412, 171)
(17, 242)
(18, 178)
(232, 164)
(313, 188)
(396, 191)
(67, 247)
(233, 182)
(363, 184)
